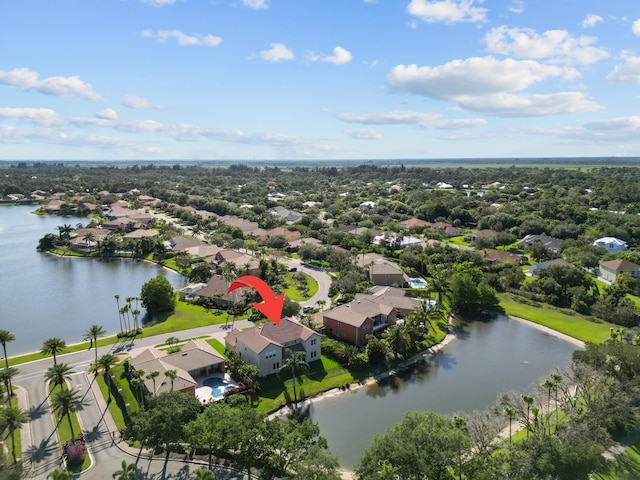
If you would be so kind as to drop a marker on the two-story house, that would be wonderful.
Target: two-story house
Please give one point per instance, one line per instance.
(265, 345)
(355, 320)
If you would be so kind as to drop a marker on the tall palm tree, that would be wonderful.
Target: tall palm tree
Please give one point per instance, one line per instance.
(556, 378)
(296, 363)
(64, 403)
(228, 274)
(123, 314)
(548, 386)
(117, 297)
(6, 374)
(528, 399)
(137, 384)
(65, 231)
(5, 337)
(53, 346)
(88, 238)
(128, 471)
(153, 375)
(92, 333)
(510, 412)
(60, 475)
(397, 338)
(12, 418)
(171, 375)
(105, 362)
(58, 373)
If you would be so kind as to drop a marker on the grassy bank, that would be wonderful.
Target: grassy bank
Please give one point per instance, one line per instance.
(562, 320)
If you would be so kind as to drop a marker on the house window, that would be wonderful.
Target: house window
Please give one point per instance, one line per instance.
(270, 354)
(276, 365)
(314, 341)
(365, 327)
(313, 354)
(339, 324)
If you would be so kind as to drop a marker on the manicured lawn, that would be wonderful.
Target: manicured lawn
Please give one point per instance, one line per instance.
(625, 467)
(292, 291)
(564, 321)
(324, 374)
(218, 346)
(121, 396)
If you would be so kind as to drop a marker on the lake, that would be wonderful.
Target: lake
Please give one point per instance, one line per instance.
(484, 360)
(44, 296)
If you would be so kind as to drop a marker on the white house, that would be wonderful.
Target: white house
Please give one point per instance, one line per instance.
(611, 244)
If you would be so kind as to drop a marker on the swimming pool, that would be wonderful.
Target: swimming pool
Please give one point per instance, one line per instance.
(218, 386)
(417, 283)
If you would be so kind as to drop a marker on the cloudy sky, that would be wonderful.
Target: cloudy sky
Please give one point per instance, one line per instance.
(318, 79)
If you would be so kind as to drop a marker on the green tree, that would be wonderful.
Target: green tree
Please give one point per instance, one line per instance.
(158, 296)
(58, 373)
(128, 471)
(12, 418)
(162, 422)
(60, 475)
(92, 333)
(64, 403)
(53, 346)
(423, 445)
(295, 364)
(6, 376)
(172, 375)
(203, 474)
(5, 337)
(152, 376)
(105, 362)
(397, 338)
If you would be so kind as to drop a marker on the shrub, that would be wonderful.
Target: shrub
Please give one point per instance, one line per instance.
(76, 453)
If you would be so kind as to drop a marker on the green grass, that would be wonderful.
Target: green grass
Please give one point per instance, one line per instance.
(292, 291)
(64, 431)
(323, 375)
(563, 321)
(218, 346)
(625, 467)
(6, 437)
(121, 396)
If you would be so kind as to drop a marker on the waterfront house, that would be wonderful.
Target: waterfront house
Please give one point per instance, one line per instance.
(265, 345)
(357, 319)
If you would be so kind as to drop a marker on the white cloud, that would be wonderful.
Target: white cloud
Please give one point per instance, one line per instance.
(107, 114)
(256, 4)
(536, 105)
(554, 45)
(474, 76)
(364, 134)
(447, 11)
(629, 71)
(635, 28)
(158, 3)
(137, 103)
(591, 20)
(196, 39)
(38, 116)
(340, 57)
(397, 117)
(25, 79)
(517, 6)
(459, 124)
(277, 53)
(620, 123)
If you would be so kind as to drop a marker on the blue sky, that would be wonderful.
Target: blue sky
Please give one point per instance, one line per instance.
(318, 79)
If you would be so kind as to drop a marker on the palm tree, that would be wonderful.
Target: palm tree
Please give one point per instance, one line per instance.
(64, 403)
(296, 363)
(92, 333)
(60, 475)
(228, 274)
(153, 375)
(65, 231)
(5, 337)
(58, 373)
(129, 471)
(528, 399)
(510, 412)
(12, 418)
(53, 346)
(203, 474)
(117, 297)
(123, 314)
(321, 304)
(171, 375)
(105, 362)
(88, 238)
(6, 374)
(397, 338)
(548, 385)
(137, 384)
(556, 378)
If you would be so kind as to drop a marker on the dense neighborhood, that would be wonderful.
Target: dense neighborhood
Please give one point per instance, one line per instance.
(403, 251)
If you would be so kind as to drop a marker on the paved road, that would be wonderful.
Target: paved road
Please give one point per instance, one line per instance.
(40, 442)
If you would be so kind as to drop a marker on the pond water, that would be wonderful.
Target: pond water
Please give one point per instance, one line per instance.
(484, 360)
(44, 296)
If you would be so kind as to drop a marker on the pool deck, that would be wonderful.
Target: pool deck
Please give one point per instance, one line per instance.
(203, 392)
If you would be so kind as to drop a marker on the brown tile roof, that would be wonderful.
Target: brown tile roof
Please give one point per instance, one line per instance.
(621, 265)
(356, 312)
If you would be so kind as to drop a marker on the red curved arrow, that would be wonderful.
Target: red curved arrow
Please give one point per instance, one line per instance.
(272, 306)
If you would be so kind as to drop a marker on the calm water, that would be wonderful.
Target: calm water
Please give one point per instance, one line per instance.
(43, 296)
(485, 359)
